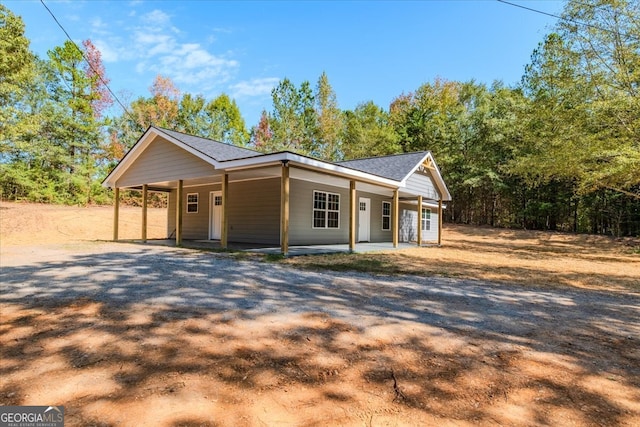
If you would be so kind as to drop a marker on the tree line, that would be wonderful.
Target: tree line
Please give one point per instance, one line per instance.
(558, 151)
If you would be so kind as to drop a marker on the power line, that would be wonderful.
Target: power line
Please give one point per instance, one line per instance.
(87, 60)
(573, 21)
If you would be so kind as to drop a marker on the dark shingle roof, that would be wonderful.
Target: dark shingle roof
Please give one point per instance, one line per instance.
(216, 150)
(395, 167)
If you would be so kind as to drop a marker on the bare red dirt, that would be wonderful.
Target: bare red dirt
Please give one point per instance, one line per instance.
(157, 365)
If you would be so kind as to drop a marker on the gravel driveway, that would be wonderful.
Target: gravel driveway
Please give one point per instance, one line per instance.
(125, 275)
(120, 328)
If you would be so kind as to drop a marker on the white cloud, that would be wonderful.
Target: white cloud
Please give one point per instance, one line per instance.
(156, 46)
(107, 51)
(98, 25)
(254, 87)
(156, 18)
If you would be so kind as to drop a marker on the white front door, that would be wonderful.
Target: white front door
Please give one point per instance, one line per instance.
(364, 219)
(215, 215)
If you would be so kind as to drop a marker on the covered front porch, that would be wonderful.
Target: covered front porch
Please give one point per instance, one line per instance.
(225, 194)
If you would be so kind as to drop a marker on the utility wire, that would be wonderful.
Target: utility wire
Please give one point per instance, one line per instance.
(573, 21)
(87, 60)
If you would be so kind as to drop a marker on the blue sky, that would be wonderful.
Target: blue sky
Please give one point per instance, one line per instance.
(370, 50)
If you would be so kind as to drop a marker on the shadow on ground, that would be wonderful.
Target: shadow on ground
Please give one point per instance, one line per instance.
(204, 339)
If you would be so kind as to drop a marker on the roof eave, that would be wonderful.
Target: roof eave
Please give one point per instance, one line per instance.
(111, 180)
(442, 187)
(319, 165)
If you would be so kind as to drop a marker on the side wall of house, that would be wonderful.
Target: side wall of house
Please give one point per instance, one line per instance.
(409, 224)
(195, 225)
(254, 215)
(377, 234)
(254, 212)
(301, 231)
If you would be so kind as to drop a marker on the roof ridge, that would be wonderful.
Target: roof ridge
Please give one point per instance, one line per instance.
(388, 155)
(207, 139)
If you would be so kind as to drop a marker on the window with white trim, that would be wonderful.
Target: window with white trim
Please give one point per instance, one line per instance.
(192, 203)
(426, 219)
(386, 215)
(326, 210)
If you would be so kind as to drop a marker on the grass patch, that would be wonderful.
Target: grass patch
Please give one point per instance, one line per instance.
(503, 256)
(364, 263)
(274, 257)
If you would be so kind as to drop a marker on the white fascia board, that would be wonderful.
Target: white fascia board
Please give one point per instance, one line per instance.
(428, 204)
(138, 149)
(441, 184)
(309, 162)
(129, 157)
(415, 168)
(439, 181)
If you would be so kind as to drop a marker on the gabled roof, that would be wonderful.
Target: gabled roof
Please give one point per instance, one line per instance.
(216, 150)
(390, 171)
(395, 167)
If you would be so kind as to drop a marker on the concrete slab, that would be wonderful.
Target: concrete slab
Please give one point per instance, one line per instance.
(275, 250)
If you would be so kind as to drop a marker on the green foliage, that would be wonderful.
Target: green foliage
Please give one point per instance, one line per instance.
(17, 76)
(368, 132)
(330, 122)
(218, 119)
(302, 121)
(560, 151)
(293, 121)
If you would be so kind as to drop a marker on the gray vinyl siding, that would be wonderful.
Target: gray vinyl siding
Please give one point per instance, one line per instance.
(421, 184)
(164, 161)
(254, 212)
(432, 235)
(377, 234)
(254, 215)
(195, 226)
(409, 218)
(301, 231)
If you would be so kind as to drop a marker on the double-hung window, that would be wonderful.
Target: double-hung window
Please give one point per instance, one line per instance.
(326, 210)
(386, 215)
(192, 203)
(426, 219)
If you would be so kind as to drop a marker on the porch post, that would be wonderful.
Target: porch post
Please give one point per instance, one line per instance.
(419, 220)
(352, 216)
(116, 213)
(284, 209)
(396, 220)
(179, 213)
(225, 216)
(439, 221)
(145, 191)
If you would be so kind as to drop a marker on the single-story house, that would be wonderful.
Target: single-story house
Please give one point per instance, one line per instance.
(226, 193)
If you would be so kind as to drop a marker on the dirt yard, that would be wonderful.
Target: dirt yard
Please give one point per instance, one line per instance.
(494, 328)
